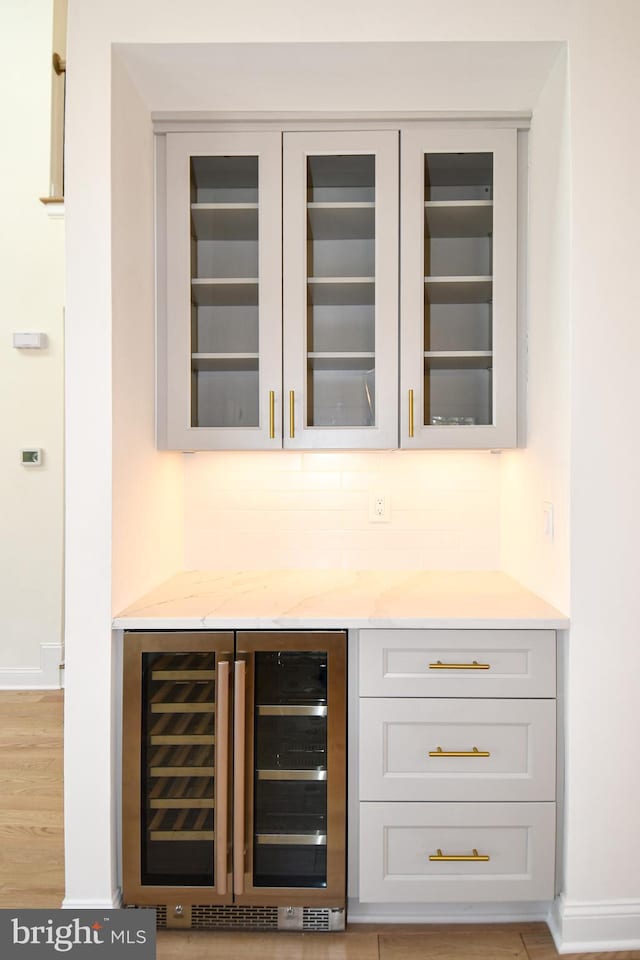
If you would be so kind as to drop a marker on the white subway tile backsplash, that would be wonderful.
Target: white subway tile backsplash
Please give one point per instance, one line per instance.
(286, 509)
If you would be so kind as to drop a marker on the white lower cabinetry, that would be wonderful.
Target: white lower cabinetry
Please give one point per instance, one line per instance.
(457, 785)
(443, 852)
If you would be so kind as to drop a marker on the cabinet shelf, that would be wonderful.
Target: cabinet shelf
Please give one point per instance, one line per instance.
(229, 291)
(341, 221)
(459, 359)
(183, 674)
(224, 221)
(458, 218)
(224, 362)
(187, 804)
(319, 774)
(178, 739)
(459, 289)
(182, 835)
(292, 839)
(181, 771)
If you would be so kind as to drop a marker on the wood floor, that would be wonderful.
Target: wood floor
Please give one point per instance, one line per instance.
(32, 870)
(31, 839)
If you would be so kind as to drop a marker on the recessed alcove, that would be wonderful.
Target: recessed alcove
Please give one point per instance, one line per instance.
(184, 86)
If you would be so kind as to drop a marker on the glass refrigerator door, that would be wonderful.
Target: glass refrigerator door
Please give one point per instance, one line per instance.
(176, 767)
(290, 789)
(289, 830)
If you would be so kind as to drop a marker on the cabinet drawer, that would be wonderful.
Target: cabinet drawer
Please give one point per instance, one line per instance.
(457, 663)
(513, 842)
(506, 749)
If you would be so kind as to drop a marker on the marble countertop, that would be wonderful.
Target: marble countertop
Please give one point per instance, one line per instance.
(338, 599)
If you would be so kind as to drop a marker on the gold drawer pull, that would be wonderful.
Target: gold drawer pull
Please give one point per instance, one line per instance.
(474, 665)
(476, 857)
(459, 753)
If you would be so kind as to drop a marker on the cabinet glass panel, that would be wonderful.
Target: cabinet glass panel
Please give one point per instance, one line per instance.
(341, 268)
(458, 282)
(290, 788)
(178, 758)
(224, 291)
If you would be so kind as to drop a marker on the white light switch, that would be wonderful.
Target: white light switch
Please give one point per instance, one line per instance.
(30, 341)
(547, 520)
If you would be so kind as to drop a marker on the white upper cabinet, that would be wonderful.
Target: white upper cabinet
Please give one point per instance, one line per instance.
(459, 288)
(337, 289)
(340, 289)
(220, 320)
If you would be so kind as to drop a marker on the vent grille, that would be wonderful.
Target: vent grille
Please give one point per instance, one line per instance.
(235, 917)
(315, 919)
(161, 912)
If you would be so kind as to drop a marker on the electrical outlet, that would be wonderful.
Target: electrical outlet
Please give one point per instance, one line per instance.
(379, 508)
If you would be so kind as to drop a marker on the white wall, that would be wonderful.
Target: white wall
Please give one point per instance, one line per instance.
(540, 472)
(31, 382)
(276, 510)
(601, 902)
(603, 768)
(148, 518)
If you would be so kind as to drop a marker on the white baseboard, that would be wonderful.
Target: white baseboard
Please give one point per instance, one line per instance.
(446, 912)
(48, 676)
(595, 927)
(113, 904)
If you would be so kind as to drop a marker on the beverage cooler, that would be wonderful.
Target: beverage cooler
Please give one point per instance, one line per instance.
(234, 778)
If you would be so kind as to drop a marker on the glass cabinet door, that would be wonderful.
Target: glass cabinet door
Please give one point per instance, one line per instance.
(340, 289)
(223, 299)
(459, 268)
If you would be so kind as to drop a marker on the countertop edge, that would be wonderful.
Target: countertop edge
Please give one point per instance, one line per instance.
(344, 623)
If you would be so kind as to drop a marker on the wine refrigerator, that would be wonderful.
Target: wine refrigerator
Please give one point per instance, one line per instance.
(234, 778)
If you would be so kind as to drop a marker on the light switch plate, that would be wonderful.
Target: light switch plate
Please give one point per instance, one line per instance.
(30, 341)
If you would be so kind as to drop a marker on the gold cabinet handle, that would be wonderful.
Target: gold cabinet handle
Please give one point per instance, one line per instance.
(239, 742)
(272, 414)
(410, 413)
(292, 421)
(459, 753)
(221, 775)
(475, 857)
(474, 665)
